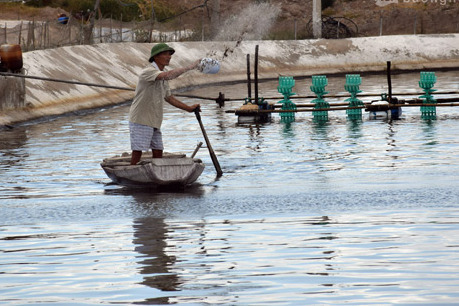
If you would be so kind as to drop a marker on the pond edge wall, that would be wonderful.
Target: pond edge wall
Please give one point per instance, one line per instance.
(118, 64)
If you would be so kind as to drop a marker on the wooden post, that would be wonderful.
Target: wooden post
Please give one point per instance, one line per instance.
(111, 29)
(317, 18)
(33, 34)
(337, 29)
(249, 80)
(20, 33)
(43, 35)
(81, 33)
(47, 35)
(389, 81)
(256, 74)
(121, 28)
(295, 27)
(100, 32)
(180, 28)
(152, 21)
(202, 25)
(28, 36)
(133, 26)
(70, 32)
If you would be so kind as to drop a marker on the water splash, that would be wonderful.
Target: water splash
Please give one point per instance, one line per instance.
(253, 22)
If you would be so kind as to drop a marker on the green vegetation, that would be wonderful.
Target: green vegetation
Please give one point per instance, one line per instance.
(327, 3)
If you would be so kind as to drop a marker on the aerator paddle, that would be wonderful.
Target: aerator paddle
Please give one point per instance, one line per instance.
(211, 151)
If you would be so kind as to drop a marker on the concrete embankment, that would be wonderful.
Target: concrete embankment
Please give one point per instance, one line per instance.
(119, 65)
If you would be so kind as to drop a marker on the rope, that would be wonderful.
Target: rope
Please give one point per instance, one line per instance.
(63, 81)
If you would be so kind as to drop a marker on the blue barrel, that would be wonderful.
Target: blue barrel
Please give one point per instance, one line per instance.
(63, 19)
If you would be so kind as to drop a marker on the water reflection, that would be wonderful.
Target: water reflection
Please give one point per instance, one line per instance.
(322, 160)
(355, 128)
(391, 147)
(256, 138)
(255, 236)
(289, 135)
(429, 130)
(320, 129)
(12, 138)
(254, 260)
(150, 242)
(10, 141)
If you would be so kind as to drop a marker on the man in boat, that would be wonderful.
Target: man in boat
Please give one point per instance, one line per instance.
(146, 112)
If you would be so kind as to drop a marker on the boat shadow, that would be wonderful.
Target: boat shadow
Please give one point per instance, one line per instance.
(140, 192)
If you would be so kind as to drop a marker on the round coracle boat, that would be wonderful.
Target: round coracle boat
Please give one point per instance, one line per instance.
(173, 170)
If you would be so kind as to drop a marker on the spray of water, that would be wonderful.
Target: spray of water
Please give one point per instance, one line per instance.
(252, 23)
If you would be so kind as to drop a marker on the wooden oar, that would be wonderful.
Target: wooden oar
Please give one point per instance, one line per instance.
(211, 151)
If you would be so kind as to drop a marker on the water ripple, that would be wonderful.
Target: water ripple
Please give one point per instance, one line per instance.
(305, 214)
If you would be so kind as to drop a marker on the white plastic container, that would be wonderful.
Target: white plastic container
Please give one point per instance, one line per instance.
(389, 113)
(209, 66)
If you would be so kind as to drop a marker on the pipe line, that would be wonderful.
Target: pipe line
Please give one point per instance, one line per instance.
(7, 74)
(64, 81)
(250, 111)
(314, 97)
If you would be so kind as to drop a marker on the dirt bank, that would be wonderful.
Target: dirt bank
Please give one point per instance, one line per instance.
(404, 17)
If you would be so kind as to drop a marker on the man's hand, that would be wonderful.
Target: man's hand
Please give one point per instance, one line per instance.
(194, 65)
(195, 107)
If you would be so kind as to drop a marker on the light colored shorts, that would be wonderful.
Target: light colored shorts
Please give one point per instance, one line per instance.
(145, 137)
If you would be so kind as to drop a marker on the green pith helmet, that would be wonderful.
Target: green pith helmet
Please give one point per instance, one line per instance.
(158, 48)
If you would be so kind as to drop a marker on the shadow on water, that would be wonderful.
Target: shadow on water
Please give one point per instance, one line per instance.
(146, 195)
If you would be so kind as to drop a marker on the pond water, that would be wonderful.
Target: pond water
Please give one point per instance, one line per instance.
(340, 213)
